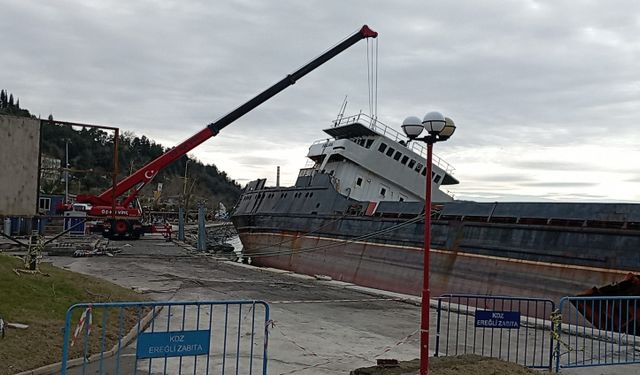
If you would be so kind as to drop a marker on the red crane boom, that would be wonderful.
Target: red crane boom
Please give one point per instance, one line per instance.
(103, 203)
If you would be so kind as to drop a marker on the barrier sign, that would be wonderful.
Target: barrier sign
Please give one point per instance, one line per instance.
(497, 319)
(173, 344)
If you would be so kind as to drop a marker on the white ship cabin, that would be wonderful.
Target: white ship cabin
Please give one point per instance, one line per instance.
(370, 161)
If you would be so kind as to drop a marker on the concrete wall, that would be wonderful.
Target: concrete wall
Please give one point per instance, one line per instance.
(19, 155)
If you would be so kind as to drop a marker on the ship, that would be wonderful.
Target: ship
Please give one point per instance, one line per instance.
(356, 214)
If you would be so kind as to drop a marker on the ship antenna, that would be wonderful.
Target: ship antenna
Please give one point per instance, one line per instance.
(343, 107)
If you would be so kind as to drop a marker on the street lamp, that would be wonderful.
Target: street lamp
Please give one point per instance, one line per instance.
(438, 128)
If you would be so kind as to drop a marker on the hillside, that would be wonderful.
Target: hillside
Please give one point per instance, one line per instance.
(91, 158)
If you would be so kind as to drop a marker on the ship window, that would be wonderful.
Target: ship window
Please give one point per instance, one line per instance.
(437, 179)
(390, 151)
(311, 194)
(359, 181)
(424, 171)
(404, 159)
(401, 199)
(412, 163)
(369, 143)
(382, 147)
(317, 205)
(418, 167)
(383, 191)
(397, 155)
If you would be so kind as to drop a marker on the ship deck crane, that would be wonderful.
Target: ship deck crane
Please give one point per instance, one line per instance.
(125, 222)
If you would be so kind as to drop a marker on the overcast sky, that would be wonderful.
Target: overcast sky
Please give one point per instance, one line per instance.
(546, 95)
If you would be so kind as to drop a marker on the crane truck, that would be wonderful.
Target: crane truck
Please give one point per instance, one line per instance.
(126, 220)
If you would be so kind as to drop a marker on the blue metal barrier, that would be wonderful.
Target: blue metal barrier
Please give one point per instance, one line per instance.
(515, 329)
(597, 331)
(201, 337)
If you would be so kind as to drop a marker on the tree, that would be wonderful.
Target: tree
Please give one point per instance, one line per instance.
(3, 99)
(10, 101)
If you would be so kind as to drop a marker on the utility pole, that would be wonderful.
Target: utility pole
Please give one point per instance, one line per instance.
(66, 172)
(184, 187)
(185, 201)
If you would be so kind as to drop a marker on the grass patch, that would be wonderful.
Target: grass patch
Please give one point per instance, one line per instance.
(42, 301)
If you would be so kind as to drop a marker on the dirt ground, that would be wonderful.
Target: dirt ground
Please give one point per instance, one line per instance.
(459, 365)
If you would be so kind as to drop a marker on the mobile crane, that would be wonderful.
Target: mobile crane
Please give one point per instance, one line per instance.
(126, 222)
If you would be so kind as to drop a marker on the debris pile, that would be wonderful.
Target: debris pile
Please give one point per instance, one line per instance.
(218, 237)
(83, 248)
(455, 365)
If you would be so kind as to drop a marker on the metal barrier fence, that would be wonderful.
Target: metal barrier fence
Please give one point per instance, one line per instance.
(514, 329)
(597, 331)
(170, 338)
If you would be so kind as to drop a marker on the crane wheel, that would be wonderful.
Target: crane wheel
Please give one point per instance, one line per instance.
(121, 227)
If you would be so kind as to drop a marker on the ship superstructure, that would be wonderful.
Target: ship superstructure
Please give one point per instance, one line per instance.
(367, 160)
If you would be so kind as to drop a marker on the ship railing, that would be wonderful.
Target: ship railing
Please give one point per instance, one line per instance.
(379, 127)
(323, 140)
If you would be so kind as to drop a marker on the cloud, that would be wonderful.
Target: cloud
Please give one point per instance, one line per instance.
(258, 160)
(548, 165)
(503, 177)
(555, 184)
(522, 77)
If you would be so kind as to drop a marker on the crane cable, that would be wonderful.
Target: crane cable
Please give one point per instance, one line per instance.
(372, 77)
(369, 81)
(293, 239)
(359, 238)
(314, 248)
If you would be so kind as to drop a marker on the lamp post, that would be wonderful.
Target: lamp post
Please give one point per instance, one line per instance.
(438, 128)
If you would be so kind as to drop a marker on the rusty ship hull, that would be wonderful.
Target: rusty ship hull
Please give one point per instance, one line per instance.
(528, 249)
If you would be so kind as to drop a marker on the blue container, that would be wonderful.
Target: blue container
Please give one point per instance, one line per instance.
(15, 226)
(70, 222)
